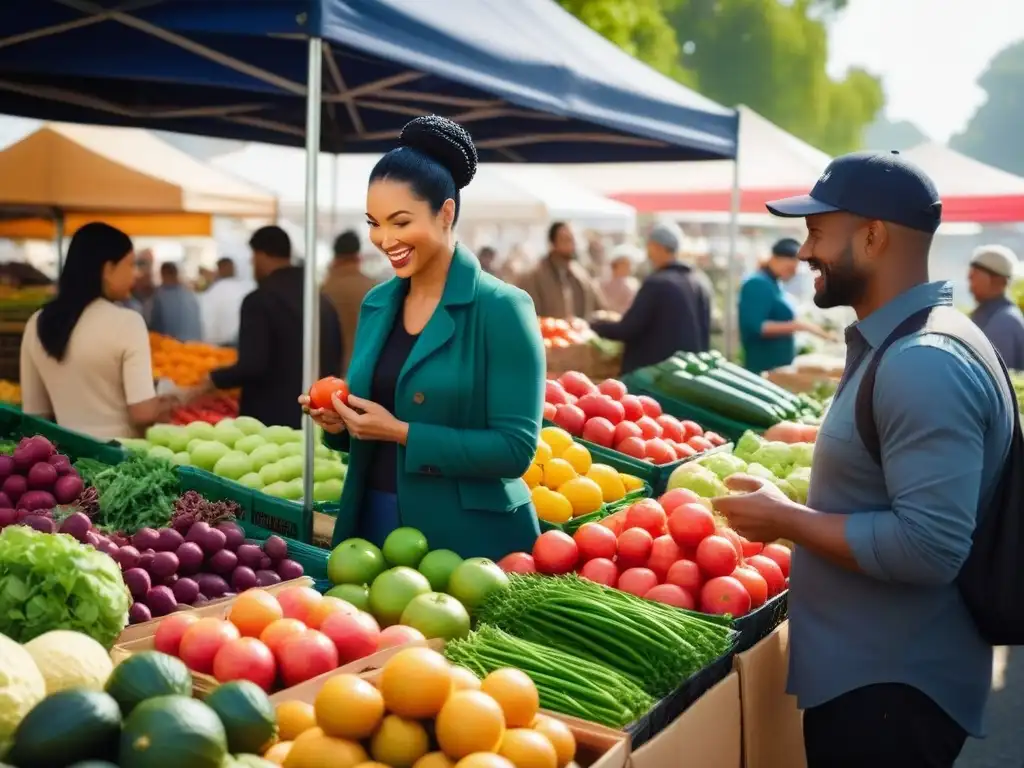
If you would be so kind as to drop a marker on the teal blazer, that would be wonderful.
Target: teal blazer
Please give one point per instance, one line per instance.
(472, 392)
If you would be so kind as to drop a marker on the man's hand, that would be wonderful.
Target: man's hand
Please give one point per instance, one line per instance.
(758, 511)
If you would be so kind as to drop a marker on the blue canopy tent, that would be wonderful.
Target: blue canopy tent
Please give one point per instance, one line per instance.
(530, 82)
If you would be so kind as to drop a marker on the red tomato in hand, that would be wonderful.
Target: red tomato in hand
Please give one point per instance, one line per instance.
(320, 393)
(716, 556)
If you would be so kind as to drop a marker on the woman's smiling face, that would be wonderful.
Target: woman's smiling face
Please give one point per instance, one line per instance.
(403, 226)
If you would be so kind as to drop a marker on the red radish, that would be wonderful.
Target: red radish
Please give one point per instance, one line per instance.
(601, 570)
(399, 634)
(754, 583)
(555, 552)
(780, 554)
(724, 595)
(517, 562)
(664, 553)
(716, 556)
(637, 581)
(613, 388)
(685, 574)
(631, 406)
(670, 594)
(691, 523)
(595, 541)
(634, 547)
(651, 406)
(647, 514)
(771, 571)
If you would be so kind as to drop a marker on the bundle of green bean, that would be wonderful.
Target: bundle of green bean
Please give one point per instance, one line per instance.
(654, 645)
(566, 683)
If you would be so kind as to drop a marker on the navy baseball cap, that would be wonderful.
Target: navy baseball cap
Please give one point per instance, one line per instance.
(787, 247)
(875, 185)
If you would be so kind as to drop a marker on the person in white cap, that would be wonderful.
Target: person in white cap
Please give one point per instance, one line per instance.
(992, 270)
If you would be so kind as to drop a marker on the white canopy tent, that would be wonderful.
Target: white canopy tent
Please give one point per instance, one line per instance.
(500, 194)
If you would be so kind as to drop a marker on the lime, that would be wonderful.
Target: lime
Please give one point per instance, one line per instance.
(354, 594)
(355, 561)
(405, 546)
(437, 566)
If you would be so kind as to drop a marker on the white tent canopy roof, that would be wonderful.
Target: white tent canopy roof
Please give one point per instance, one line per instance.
(958, 175)
(498, 194)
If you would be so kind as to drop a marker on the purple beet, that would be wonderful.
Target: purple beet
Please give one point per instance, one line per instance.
(168, 540)
(289, 569)
(275, 548)
(138, 582)
(164, 564)
(161, 601)
(190, 558)
(186, 590)
(139, 613)
(127, 557)
(234, 536)
(223, 563)
(267, 578)
(243, 578)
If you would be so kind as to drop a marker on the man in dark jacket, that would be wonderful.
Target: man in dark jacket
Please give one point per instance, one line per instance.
(671, 311)
(269, 367)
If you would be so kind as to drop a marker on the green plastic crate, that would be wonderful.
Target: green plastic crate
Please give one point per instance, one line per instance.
(728, 428)
(74, 444)
(312, 559)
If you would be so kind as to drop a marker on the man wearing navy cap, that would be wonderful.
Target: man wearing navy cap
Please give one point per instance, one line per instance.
(767, 319)
(885, 659)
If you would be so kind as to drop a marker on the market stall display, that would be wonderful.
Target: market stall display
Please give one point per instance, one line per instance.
(10, 392)
(186, 362)
(572, 346)
(211, 408)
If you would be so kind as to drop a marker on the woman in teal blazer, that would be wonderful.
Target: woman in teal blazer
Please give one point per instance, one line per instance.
(447, 372)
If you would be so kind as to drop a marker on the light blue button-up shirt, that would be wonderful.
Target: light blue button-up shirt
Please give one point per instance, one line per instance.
(944, 427)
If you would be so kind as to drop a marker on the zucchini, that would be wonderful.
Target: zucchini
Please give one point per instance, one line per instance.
(737, 382)
(694, 364)
(765, 384)
(721, 398)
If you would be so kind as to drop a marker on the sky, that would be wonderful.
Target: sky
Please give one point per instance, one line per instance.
(929, 61)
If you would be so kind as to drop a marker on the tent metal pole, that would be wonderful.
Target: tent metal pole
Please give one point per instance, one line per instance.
(729, 315)
(310, 294)
(334, 196)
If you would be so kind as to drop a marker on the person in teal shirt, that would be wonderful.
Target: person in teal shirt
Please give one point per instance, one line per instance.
(447, 370)
(767, 319)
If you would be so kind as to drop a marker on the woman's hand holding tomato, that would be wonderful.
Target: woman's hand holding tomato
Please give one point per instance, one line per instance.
(366, 420)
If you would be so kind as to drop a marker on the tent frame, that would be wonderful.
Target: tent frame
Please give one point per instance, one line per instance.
(387, 96)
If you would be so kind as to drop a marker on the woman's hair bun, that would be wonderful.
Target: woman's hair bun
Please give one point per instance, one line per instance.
(446, 142)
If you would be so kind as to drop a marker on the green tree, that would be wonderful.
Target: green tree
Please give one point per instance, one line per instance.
(993, 133)
(766, 54)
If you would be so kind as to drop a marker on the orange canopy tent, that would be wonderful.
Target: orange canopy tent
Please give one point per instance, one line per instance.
(62, 176)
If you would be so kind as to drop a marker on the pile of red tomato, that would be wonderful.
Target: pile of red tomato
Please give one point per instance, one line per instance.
(277, 640)
(558, 333)
(607, 415)
(671, 550)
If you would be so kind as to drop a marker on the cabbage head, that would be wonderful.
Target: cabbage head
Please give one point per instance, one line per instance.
(788, 489)
(698, 479)
(50, 581)
(723, 464)
(748, 445)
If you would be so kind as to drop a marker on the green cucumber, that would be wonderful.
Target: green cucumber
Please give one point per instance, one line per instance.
(721, 398)
(145, 676)
(172, 732)
(741, 384)
(67, 727)
(770, 386)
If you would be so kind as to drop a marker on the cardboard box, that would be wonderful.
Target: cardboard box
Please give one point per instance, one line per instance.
(596, 745)
(213, 608)
(707, 735)
(773, 734)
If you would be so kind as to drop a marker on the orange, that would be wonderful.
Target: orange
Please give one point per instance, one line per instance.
(277, 632)
(470, 721)
(516, 695)
(324, 608)
(533, 476)
(484, 760)
(526, 748)
(399, 742)
(315, 750)
(294, 718)
(464, 680)
(278, 753)
(348, 707)
(551, 507)
(434, 760)
(415, 683)
(543, 454)
(559, 735)
(253, 611)
(297, 602)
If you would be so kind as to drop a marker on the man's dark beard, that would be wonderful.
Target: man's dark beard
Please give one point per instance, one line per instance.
(843, 281)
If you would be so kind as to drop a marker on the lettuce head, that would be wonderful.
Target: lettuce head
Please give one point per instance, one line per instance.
(50, 581)
(748, 445)
(698, 479)
(723, 464)
(800, 479)
(801, 453)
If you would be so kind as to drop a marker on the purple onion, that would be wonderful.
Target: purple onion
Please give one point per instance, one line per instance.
(234, 536)
(127, 557)
(289, 569)
(161, 601)
(267, 578)
(243, 578)
(169, 540)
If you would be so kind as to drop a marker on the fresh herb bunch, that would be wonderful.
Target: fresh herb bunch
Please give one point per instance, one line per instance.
(191, 507)
(140, 492)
